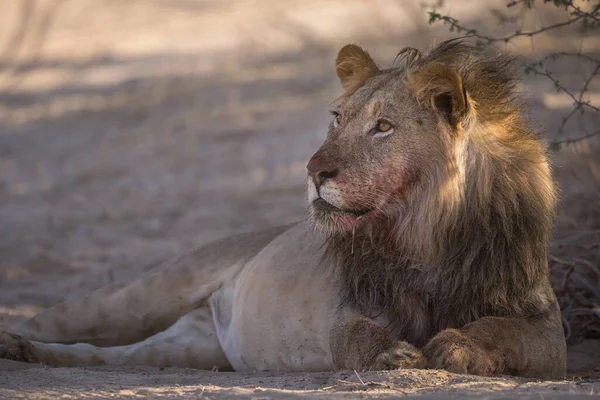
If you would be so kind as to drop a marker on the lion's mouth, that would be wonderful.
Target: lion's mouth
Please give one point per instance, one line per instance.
(325, 207)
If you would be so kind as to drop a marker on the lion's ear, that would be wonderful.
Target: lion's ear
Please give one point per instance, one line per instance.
(354, 66)
(441, 87)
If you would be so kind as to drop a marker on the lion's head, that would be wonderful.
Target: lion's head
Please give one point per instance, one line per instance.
(434, 192)
(420, 149)
(379, 137)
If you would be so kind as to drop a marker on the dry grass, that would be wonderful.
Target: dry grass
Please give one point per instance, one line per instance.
(575, 250)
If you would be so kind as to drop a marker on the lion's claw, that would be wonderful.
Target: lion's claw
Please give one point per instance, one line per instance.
(403, 355)
(454, 351)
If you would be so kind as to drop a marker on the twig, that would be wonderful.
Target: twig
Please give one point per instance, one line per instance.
(567, 142)
(359, 378)
(454, 24)
(570, 270)
(560, 54)
(362, 385)
(567, 327)
(587, 83)
(579, 11)
(584, 311)
(561, 88)
(561, 261)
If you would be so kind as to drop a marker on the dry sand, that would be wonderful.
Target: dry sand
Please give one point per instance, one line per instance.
(130, 131)
(51, 383)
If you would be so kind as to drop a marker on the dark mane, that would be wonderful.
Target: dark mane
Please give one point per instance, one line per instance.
(473, 242)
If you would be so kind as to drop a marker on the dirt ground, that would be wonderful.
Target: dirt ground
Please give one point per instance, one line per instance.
(130, 131)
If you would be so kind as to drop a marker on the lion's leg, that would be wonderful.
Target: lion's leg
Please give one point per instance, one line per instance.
(360, 343)
(91, 318)
(118, 314)
(529, 347)
(191, 342)
(121, 314)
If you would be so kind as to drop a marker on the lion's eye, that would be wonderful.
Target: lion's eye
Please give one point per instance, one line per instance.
(383, 127)
(336, 118)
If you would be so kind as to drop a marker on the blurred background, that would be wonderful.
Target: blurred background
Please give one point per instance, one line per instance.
(133, 130)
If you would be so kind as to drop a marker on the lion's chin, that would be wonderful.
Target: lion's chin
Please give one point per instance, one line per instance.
(336, 220)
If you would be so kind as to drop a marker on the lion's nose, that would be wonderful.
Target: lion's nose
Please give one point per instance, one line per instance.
(320, 170)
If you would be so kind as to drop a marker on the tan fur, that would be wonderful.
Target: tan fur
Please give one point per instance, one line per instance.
(429, 250)
(354, 67)
(434, 80)
(464, 236)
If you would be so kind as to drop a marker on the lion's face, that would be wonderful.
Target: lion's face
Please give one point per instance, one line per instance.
(375, 154)
(382, 145)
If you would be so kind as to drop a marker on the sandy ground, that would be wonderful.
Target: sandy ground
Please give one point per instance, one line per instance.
(130, 131)
(48, 383)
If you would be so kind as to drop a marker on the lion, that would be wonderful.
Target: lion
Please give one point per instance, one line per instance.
(431, 204)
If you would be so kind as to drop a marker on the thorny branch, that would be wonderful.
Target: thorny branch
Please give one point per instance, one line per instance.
(576, 15)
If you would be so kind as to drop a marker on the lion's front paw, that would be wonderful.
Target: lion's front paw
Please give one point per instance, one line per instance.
(403, 355)
(14, 347)
(454, 351)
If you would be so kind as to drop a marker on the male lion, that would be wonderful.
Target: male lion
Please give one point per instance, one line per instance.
(433, 201)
